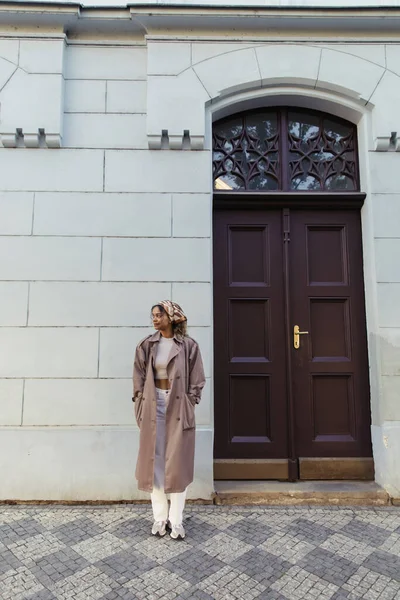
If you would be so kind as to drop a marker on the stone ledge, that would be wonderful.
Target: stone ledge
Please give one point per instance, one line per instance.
(330, 493)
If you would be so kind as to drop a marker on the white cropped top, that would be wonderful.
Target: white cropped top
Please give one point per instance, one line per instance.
(163, 352)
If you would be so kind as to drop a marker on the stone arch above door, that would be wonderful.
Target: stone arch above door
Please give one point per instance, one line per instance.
(184, 77)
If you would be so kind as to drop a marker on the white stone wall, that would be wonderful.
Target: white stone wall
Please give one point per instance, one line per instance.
(92, 235)
(95, 232)
(386, 212)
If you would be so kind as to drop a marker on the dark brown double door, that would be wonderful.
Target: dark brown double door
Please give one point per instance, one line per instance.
(283, 411)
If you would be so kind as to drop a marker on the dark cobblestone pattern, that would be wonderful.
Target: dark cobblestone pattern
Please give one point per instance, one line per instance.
(230, 553)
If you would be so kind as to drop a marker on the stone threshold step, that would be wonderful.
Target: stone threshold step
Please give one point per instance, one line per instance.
(339, 493)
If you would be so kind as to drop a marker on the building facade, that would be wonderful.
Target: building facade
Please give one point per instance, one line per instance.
(239, 160)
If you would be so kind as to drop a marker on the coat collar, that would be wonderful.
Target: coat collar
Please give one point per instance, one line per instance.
(155, 338)
(157, 335)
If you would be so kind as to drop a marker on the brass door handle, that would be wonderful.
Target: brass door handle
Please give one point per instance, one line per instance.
(296, 336)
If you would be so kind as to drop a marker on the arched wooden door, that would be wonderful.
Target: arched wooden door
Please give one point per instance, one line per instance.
(291, 368)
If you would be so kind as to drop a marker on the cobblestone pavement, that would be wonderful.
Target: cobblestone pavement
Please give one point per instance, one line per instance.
(230, 552)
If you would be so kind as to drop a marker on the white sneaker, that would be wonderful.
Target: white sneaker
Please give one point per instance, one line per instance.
(177, 532)
(159, 528)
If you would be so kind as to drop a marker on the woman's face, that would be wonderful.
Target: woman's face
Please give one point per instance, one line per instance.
(160, 318)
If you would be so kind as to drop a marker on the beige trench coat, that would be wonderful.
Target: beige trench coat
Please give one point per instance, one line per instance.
(186, 375)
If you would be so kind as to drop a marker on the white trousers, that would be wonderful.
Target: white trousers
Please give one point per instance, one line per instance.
(159, 502)
(159, 498)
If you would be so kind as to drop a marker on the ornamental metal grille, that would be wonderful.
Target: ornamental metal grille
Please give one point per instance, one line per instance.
(285, 150)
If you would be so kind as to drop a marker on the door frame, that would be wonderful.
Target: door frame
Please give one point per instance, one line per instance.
(223, 469)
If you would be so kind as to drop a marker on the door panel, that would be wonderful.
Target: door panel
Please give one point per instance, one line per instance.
(327, 316)
(250, 393)
(242, 346)
(330, 369)
(327, 374)
(243, 426)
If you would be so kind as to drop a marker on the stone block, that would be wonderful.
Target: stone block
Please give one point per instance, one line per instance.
(204, 50)
(41, 56)
(84, 463)
(78, 402)
(203, 336)
(204, 409)
(13, 303)
(45, 352)
(6, 71)
(9, 50)
(386, 214)
(11, 394)
(289, 62)
(16, 210)
(382, 166)
(85, 96)
(102, 214)
(393, 57)
(168, 58)
(191, 215)
(157, 259)
(104, 131)
(153, 171)
(203, 484)
(164, 116)
(386, 444)
(117, 349)
(30, 102)
(229, 72)
(340, 72)
(50, 258)
(390, 409)
(374, 53)
(387, 253)
(388, 303)
(126, 97)
(118, 62)
(384, 100)
(93, 304)
(196, 300)
(45, 170)
(390, 350)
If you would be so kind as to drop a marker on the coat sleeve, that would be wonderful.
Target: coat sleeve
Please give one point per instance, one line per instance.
(197, 378)
(139, 372)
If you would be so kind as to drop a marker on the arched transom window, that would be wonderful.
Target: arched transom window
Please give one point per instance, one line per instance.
(285, 149)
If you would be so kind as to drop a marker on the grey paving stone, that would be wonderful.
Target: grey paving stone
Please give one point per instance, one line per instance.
(77, 531)
(53, 567)
(250, 531)
(308, 531)
(8, 560)
(328, 566)
(365, 532)
(230, 553)
(133, 529)
(42, 595)
(261, 566)
(340, 595)
(195, 594)
(384, 563)
(194, 565)
(19, 530)
(120, 594)
(198, 531)
(125, 565)
(270, 595)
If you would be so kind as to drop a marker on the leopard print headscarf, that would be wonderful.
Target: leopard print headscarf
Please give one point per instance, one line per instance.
(174, 311)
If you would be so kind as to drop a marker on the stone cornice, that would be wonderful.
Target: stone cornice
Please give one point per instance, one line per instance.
(206, 21)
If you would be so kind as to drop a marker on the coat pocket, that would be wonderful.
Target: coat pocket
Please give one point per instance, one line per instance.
(189, 419)
(139, 410)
